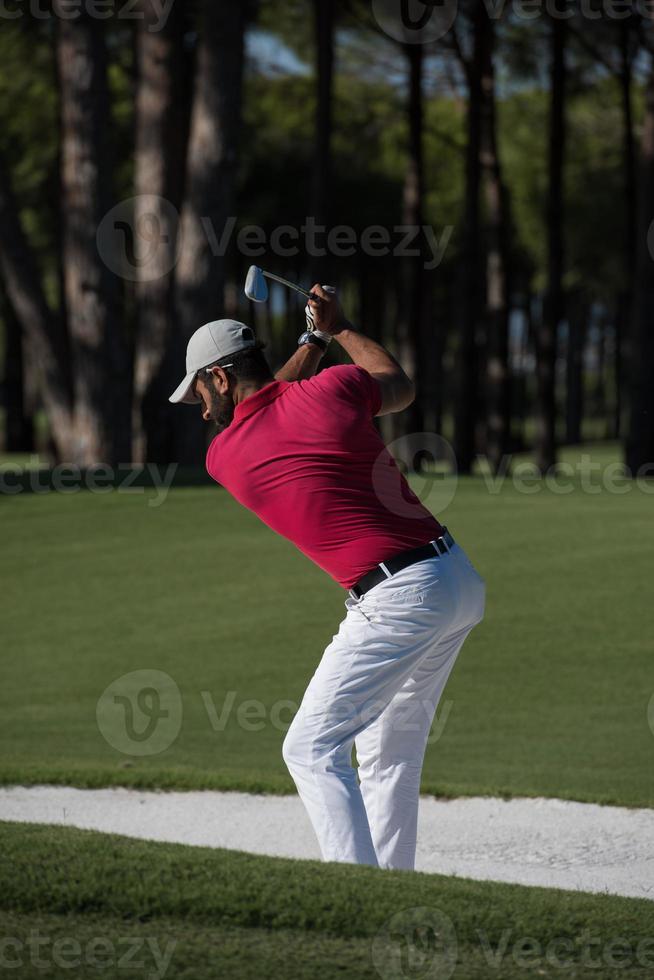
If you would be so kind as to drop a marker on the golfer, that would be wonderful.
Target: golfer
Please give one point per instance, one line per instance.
(303, 453)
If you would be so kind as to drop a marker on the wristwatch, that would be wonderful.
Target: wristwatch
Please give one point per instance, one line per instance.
(311, 337)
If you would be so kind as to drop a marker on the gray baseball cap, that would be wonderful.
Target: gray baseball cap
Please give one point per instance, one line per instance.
(209, 344)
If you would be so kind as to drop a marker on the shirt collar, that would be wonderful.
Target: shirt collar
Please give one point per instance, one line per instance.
(264, 396)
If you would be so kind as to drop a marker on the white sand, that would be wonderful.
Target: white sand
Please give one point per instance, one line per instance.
(555, 843)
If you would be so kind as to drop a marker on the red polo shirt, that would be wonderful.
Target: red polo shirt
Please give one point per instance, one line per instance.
(306, 457)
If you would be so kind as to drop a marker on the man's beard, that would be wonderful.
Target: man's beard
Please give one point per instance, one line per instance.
(221, 409)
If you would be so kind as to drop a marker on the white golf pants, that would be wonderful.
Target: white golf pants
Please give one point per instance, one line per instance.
(377, 687)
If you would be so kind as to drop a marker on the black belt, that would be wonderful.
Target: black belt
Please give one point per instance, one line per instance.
(386, 569)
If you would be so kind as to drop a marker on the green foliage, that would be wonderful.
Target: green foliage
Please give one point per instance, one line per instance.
(29, 130)
(370, 138)
(595, 212)
(29, 133)
(370, 142)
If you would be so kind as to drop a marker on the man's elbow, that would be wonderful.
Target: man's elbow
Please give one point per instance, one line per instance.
(410, 389)
(398, 392)
(404, 395)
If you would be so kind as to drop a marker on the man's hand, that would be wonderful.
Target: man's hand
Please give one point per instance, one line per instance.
(396, 388)
(327, 311)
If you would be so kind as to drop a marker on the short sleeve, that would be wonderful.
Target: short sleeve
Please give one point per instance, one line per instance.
(350, 383)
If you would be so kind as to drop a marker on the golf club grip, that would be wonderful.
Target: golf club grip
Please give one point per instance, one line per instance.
(328, 289)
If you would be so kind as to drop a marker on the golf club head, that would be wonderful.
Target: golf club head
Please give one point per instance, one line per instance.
(256, 287)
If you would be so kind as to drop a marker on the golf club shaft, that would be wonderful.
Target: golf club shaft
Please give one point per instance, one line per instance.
(291, 285)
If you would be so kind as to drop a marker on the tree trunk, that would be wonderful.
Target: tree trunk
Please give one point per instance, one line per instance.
(19, 424)
(554, 305)
(435, 319)
(466, 402)
(324, 20)
(599, 398)
(574, 409)
(412, 349)
(528, 358)
(640, 442)
(101, 370)
(44, 332)
(625, 302)
(210, 181)
(498, 408)
(160, 151)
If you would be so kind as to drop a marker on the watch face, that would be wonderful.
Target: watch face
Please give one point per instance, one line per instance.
(310, 338)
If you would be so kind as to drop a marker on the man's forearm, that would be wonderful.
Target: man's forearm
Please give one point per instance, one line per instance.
(397, 390)
(367, 353)
(301, 365)
(396, 387)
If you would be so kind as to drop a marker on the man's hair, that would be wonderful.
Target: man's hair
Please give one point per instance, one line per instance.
(249, 365)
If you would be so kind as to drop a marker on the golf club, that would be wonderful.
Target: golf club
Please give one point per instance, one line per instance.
(256, 287)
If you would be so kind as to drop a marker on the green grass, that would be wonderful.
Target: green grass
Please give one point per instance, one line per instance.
(221, 913)
(550, 695)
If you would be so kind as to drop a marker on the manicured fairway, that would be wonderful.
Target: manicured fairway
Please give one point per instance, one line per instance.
(219, 913)
(550, 696)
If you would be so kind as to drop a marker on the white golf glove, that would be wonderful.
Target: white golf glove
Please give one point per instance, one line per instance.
(311, 326)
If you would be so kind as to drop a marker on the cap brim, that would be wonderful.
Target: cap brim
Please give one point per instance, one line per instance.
(183, 392)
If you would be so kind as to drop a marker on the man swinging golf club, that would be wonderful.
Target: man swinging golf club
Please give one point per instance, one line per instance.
(303, 453)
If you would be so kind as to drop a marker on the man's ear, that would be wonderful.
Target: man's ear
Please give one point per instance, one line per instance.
(221, 379)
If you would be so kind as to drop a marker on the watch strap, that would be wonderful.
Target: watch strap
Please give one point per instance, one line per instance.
(312, 337)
